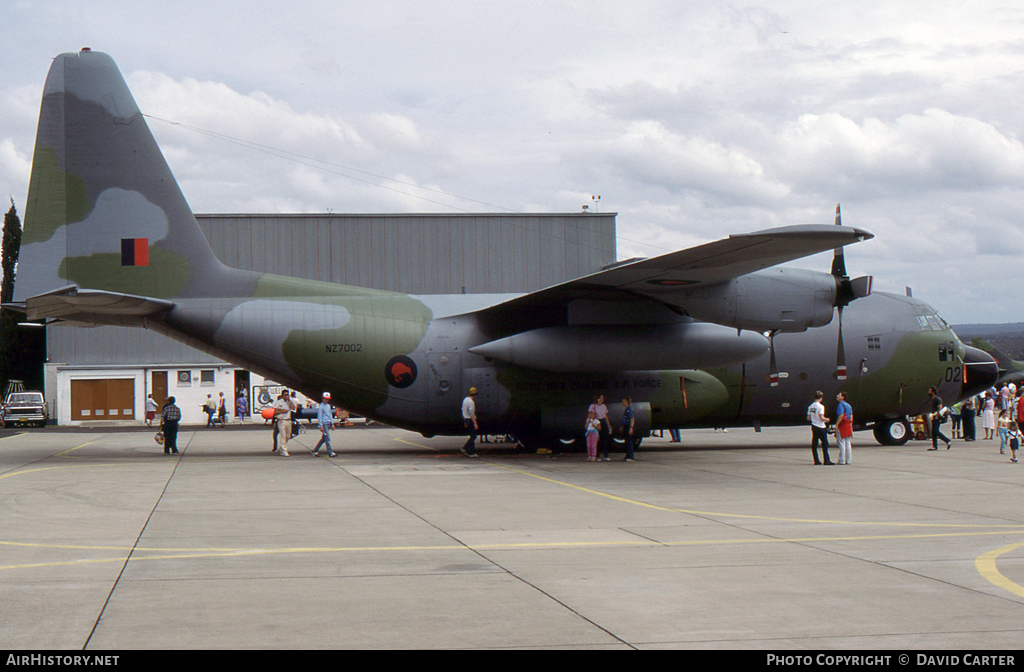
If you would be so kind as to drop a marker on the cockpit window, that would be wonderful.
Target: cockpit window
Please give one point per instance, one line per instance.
(932, 322)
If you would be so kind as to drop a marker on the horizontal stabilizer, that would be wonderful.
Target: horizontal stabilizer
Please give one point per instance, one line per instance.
(71, 304)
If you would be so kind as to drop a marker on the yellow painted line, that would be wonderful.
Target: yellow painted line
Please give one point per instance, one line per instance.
(986, 566)
(33, 471)
(749, 516)
(70, 450)
(75, 466)
(719, 514)
(206, 553)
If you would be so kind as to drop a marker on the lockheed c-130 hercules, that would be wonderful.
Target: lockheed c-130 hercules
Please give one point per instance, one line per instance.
(714, 335)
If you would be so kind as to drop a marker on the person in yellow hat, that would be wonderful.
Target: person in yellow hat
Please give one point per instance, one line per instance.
(469, 419)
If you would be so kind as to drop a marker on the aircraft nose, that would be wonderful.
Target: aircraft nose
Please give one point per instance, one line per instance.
(980, 372)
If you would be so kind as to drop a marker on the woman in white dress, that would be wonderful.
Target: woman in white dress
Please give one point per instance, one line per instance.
(988, 416)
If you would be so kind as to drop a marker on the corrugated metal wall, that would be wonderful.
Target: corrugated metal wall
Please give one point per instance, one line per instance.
(412, 253)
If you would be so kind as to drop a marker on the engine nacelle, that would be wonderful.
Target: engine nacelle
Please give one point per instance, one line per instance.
(783, 299)
(588, 348)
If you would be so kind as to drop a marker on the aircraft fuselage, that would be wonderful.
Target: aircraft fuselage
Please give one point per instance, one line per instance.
(389, 357)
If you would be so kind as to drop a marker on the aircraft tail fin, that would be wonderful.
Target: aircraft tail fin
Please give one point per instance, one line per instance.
(1006, 363)
(104, 211)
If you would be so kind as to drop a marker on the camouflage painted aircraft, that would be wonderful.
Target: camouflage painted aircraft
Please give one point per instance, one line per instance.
(1010, 370)
(714, 335)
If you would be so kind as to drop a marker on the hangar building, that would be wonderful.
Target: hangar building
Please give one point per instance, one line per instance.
(105, 373)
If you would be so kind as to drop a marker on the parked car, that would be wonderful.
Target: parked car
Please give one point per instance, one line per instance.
(25, 408)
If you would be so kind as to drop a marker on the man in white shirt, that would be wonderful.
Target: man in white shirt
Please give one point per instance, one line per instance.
(282, 419)
(816, 415)
(469, 420)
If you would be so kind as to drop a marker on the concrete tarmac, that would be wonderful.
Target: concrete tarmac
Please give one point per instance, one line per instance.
(725, 541)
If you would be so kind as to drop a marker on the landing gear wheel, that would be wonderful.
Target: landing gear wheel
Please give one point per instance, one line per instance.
(892, 432)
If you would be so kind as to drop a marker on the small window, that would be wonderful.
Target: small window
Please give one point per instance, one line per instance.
(874, 342)
(206, 377)
(184, 379)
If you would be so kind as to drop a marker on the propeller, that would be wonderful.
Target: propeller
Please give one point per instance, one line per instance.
(846, 291)
(773, 367)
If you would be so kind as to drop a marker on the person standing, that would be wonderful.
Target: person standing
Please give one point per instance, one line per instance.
(956, 420)
(325, 421)
(604, 438)
(210, 408)
(241, 407)
(988, 416)
(169, 420)
(1015, 438)
(936, 415)
(469, 421)
(968, 414)
(1003, 425)
(628, 428)
(844, 427)
(150, 410)
(816, 416)
(283, 421)
(294, 401)
(593, 429)
(222, 410)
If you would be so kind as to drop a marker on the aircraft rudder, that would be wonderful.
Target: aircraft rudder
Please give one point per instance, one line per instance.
(104, 210)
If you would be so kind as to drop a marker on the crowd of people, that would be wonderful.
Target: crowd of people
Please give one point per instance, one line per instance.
(999, 411)
(284, 420)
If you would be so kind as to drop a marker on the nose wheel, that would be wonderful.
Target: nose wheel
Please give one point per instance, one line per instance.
(892, 432)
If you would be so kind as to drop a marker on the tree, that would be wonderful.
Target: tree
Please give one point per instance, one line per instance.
(11, 250)
(22, 350)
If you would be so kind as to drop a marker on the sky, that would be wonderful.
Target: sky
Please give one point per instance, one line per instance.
(692, 121)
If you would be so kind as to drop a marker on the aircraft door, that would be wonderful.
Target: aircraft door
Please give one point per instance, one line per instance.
(444, 387)
(492, 400)
(160, 388)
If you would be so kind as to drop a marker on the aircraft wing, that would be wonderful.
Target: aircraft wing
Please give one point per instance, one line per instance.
(90, 307)
(669, 277)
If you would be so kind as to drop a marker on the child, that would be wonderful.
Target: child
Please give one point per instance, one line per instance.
(1015, 438)
(1004, 430)
(593, 428)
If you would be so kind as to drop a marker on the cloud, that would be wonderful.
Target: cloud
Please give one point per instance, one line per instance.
(692, 121)
(649, 153)
(233, 151)
(14, 169)
(934, 150)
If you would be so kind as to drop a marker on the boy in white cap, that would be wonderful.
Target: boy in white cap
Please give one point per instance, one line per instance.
(325, 421)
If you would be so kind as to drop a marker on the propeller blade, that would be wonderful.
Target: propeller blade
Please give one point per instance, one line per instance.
(839, 259)
(773, 368)
(861, 286)
(840, 350)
